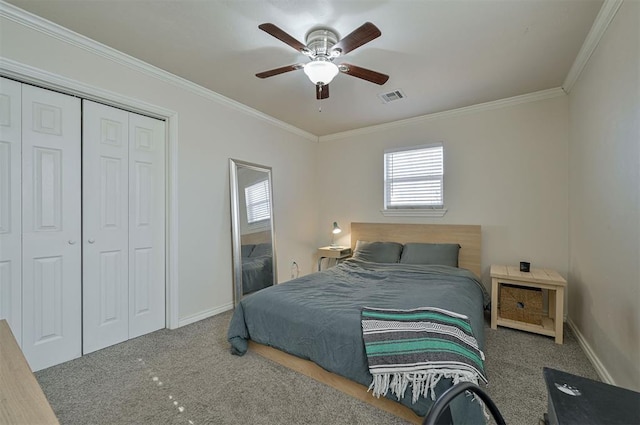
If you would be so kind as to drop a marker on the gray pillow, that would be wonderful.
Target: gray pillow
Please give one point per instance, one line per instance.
(246, 250)
(260, 250)
(430, 253)
(378, 252)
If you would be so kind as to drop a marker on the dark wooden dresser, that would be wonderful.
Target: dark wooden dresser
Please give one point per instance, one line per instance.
(574, 400)
(21, 398)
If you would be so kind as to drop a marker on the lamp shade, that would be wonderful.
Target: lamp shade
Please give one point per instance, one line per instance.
(336, 228)
(321, 72)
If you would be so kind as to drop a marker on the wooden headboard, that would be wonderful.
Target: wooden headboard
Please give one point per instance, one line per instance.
(256, 238)
(468, 236)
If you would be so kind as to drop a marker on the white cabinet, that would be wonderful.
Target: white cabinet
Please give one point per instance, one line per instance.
(82, 263)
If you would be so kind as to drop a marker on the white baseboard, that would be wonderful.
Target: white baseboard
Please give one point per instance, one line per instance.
(204, 314)
(591, 355)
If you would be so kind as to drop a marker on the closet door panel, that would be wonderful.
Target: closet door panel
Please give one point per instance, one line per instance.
(51, 262)
(105, 143)
(10, 208)
(146, 225)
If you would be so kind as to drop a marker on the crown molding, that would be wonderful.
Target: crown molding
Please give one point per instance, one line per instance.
(34, 22)
(31, 75)
(487, 106)
(599, 27)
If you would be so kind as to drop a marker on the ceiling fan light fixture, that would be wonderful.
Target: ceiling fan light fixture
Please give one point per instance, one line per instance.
(321, 71)
(322, 47)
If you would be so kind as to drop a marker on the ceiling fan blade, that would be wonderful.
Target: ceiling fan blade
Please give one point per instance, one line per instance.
(357, 38)
(282, 36)
(281, 70)
(364, 73)
(322, 91)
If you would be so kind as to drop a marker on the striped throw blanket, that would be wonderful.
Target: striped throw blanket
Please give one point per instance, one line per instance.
(417, 348)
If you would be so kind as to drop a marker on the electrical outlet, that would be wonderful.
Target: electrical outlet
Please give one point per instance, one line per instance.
(295, 270)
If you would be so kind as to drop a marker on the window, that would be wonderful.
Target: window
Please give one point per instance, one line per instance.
(413, 178)
(257, 198)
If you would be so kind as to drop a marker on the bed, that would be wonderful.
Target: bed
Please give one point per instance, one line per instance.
(257, 267)
(317, 317)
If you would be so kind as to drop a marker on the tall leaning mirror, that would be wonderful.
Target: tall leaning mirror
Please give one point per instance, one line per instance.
(252, 230)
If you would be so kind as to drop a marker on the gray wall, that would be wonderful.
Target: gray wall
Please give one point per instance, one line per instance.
(505, 169)
(604, 200)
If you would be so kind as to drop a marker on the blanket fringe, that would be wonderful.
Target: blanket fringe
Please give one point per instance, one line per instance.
(422, 383)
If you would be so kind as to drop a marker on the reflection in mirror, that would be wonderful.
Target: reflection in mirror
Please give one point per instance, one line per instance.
(252, 230)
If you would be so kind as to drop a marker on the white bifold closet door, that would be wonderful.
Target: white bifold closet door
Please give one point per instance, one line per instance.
(10, 208)
(51, 229)
(146, 225)
(123, 225)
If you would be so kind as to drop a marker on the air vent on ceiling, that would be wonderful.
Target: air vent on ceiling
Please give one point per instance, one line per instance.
(392, 96)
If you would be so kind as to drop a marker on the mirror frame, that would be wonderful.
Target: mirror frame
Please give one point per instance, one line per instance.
(236, 236)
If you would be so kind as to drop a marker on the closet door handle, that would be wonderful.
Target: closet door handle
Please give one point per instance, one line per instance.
(91, 240)
(72, 242)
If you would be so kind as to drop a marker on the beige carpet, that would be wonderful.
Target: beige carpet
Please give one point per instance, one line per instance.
(187, 376)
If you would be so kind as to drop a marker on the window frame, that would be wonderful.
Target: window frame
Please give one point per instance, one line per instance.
(251, 205)
(414, 210)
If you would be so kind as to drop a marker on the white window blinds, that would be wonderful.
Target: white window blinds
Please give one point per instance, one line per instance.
(413, 177)
(257, 199)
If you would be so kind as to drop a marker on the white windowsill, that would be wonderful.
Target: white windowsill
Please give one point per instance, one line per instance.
(415, 212)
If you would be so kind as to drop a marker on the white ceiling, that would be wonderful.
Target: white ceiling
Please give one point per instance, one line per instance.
(442, 54)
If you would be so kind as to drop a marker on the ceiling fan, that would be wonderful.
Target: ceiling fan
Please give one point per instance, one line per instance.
(323, 46)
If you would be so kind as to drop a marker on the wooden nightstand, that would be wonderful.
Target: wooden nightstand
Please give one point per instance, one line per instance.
(337, 252)
(545, 279)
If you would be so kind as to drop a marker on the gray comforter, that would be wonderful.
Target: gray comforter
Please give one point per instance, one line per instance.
(317, 317)
(257, 273)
